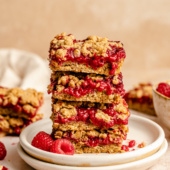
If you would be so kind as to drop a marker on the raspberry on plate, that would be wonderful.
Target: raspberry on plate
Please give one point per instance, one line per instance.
(42, 140)
(62, 146)
(164, 88)
(3, 151)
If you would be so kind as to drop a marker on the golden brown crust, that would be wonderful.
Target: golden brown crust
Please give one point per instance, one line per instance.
(99, 97)
(112, 148)
(78, 67)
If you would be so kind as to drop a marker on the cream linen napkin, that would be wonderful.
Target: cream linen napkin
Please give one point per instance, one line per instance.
(23, 69)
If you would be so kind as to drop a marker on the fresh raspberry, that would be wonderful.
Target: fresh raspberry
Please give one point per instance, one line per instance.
(62, 146)
(164, 88)
(3, 151)
(42, 140)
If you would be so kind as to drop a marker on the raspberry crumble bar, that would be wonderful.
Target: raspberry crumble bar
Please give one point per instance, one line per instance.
(18, 108)
(86, 87)
(91, 55)
(140, 98)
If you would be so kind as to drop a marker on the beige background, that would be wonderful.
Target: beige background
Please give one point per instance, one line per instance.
(143, 27)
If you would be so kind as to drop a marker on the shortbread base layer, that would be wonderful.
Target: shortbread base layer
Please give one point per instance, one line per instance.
(99, 97)
(112, 148)
(83, 68)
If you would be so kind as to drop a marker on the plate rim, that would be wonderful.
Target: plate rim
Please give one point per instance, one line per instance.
(130, 165)
(30, 149)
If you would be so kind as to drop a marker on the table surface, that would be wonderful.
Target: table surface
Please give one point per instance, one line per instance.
(13, 161)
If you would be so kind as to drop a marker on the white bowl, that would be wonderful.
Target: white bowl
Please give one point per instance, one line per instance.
(140, 129)
(162, 107)
(141, 164)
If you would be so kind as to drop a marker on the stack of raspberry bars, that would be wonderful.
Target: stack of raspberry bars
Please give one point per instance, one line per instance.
(87, 93)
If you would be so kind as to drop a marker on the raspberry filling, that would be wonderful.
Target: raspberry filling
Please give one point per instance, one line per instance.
(90, 115)
(113, 56)
(18, 107)
(89, 86)
(94, 141)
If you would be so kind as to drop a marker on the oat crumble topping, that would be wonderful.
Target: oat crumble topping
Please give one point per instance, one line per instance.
(93, 45)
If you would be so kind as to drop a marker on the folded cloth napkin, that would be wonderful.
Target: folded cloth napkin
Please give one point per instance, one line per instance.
(23, 69)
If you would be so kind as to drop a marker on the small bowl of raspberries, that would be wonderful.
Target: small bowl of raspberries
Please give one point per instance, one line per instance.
(161, 101)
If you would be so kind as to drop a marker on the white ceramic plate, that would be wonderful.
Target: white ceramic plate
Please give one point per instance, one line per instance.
(140, 129)
(141, 164)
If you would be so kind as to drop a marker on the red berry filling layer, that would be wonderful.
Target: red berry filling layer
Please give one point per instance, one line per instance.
(96, 61)
(89, 86)
(103, 118)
